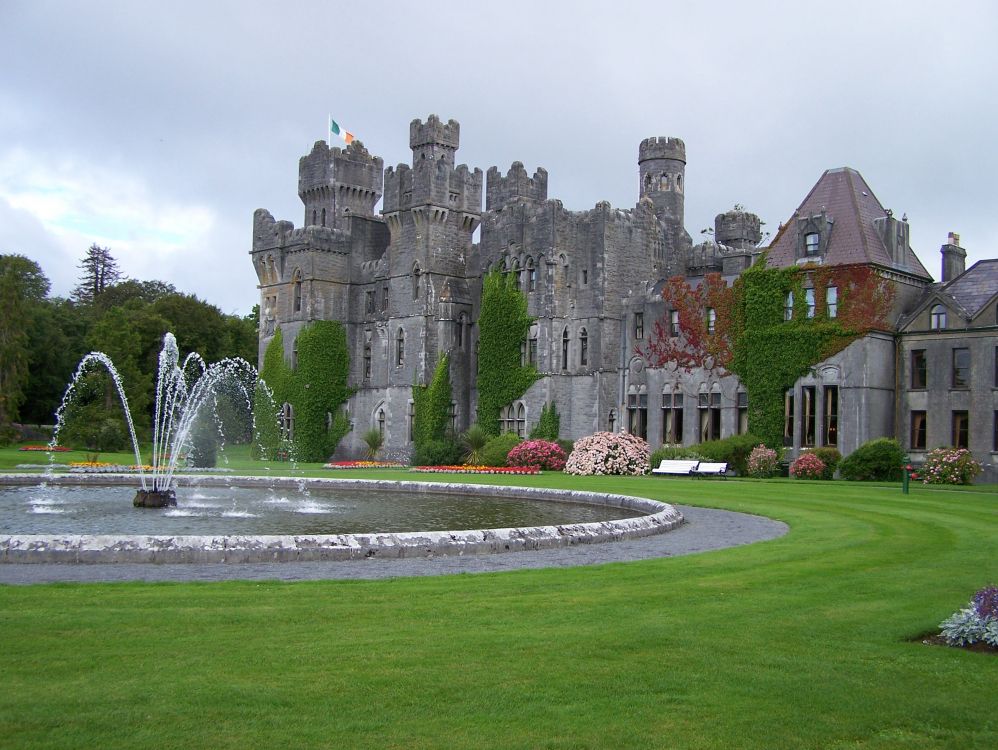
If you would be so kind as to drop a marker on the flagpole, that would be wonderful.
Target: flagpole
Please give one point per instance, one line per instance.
(329, 130)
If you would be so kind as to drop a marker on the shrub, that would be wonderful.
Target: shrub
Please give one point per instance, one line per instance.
(497, 449)
(763, 462)
(950, 466)
(877, 460)
(807, 466)
(734, 451)
(609, 453)
(436, 453)
(978, 621)
(373, 439)
(540, 453)
(830, 457)
(566, 445)
(674, 453)
(472, 443)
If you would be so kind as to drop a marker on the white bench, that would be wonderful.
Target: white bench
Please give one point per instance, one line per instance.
(680, 468)
(708, 469)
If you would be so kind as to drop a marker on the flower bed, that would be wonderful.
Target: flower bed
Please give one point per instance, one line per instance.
(476, 469)
(976, 622)
(45, 448)
(363, 465)
(102, 467)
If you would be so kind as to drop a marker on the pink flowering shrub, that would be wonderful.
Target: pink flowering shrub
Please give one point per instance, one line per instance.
(950, 466)
(762, 462)
(807, 466)
(540, 453)
(609, 453)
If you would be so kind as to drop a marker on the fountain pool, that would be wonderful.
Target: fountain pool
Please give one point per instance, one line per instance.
(261, 519)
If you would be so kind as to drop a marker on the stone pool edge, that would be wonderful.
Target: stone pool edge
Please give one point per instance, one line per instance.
(97, 548)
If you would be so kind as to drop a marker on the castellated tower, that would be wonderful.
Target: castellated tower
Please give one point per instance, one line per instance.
(333, 183)
(738, 229)
(662, 165)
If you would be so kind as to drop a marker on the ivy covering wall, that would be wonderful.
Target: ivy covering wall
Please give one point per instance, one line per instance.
(432, 406)
(503, 326)
(315, 388)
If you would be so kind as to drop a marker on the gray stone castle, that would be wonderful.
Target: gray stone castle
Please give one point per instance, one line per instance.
(406, 284)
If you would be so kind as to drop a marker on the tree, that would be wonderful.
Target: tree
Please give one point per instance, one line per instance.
(13, 349)
(31, 281)
(100, 271)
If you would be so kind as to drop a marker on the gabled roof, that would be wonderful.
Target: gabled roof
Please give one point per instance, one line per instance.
(975, 287)
(851, 205)
(966, 295)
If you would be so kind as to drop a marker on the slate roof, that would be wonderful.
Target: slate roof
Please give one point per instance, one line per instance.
(975, 287)
(850, 203)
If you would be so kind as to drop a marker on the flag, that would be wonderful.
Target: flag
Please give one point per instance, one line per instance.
(335, 129)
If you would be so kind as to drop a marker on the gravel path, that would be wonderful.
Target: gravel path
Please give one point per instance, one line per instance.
(705, 529)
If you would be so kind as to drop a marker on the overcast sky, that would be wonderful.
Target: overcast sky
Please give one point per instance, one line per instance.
(157, 128)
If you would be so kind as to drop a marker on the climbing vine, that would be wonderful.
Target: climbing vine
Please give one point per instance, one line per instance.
(432, 406)
(316, 389)
(752, 337)
(503, 326)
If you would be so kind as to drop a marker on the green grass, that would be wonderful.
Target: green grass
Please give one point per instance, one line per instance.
(800, 642)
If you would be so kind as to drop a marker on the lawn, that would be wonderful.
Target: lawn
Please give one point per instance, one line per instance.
(807, 641)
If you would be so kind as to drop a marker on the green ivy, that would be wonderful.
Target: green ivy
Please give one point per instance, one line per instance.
(503, 326)
(548, 424)
(769, 354)
(431, 404)
(316, 388)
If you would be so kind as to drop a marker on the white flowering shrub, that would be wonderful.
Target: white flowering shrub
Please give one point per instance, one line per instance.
(609, 453)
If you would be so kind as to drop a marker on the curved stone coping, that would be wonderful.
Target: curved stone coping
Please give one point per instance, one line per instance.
(100, 548)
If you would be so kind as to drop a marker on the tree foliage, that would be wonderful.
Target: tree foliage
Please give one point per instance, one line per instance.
(13, 350)
(99, 272)
(503, 325)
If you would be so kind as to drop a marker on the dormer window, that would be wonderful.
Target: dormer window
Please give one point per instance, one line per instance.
(811, 241)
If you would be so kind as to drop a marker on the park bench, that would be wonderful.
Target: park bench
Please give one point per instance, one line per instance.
(709, 469)
(677, 467)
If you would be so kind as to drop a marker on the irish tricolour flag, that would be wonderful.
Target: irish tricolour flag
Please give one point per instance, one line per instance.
(335, 129)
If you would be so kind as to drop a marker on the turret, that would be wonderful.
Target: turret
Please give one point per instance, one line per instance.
(662, 167)
(515, 186)
(738, 228)
(334, 183)
(433, 140)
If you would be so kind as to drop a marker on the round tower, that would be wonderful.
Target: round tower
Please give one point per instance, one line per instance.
(662, 167)
(738, 228)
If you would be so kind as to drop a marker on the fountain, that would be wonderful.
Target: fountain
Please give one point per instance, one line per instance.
(182, 390)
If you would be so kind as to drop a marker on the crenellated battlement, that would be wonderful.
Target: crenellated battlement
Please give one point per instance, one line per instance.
(433, 131)
(433, 183)
(334, 182)
(514, 186)
(738, 228)
(661, 147)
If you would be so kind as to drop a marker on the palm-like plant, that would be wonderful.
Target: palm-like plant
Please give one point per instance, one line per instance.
(373, 439)
(472, 443)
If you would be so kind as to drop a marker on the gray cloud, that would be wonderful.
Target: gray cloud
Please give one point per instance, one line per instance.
(210, 107)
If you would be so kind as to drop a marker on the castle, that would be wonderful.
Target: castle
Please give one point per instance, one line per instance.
(406, 285)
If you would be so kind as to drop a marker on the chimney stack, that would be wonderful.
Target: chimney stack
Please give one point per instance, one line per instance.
(954, 258)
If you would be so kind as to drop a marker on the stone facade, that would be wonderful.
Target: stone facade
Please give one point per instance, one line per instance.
(406, 284)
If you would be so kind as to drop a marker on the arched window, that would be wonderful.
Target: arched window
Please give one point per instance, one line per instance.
(937, 317)
(296, 294)
(583, 348)
(532, 347)
(288, 421)
(611, 420)
(531, 275)
(679, 182)
(400, 348)
(367, 356)
(637, 412)
(415, 281)
(323, 217)
(313, 217)
(521, 420)
(564, 349)
(381, 422)
(515, 270)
